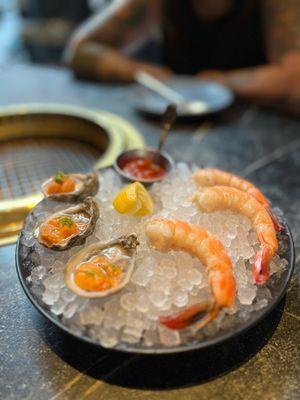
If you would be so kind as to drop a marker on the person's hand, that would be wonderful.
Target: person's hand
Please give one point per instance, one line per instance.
(213, 74)
(276, 85)
(157, 71)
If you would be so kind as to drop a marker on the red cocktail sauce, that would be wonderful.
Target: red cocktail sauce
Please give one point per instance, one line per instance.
(143, 168)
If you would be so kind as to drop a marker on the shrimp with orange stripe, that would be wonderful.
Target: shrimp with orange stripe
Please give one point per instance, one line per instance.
(215, 198)
(165, 235)
(216, 177)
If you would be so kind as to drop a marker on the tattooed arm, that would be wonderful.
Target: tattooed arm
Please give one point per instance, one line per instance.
(99, 49)
(277, 83)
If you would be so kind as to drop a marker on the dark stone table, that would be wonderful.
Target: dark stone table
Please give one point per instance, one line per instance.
(38, 361)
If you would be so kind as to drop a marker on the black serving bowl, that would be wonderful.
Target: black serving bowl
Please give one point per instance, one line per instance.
(277, 285)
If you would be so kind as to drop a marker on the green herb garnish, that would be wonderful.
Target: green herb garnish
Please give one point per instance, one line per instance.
(91, 274)
(112, 265)
(107, 264)
(66, 221)
(59, 176)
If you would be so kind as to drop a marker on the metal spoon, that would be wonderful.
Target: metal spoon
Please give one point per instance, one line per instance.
(184, 105)
(169, 118)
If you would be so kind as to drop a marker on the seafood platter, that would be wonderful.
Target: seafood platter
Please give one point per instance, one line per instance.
(188, 261)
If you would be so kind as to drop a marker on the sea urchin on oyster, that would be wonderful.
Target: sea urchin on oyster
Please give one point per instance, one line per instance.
(102, 269)
(68, 227)
(70, 187)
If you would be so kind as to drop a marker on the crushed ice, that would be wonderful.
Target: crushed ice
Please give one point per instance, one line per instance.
(161, 283)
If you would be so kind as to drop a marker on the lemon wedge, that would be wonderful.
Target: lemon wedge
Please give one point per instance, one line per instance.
(134, 200)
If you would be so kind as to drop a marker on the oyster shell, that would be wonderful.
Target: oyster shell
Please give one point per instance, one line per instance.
(85, 185)
(84, 215)
(120, 252)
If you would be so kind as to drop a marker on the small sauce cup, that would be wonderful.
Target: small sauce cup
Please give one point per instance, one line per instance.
(161, 159)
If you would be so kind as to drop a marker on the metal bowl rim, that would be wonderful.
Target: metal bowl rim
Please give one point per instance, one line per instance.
(164, 155)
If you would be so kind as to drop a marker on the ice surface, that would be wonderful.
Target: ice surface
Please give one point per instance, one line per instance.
(161, 283)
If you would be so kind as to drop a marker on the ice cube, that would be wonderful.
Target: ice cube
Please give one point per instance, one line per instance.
(108, 337)
(141, 276)
(160, 283)
(91, 315)
(168, 337)
(149, 338)
(135, 331)
(70, 310)
(158, 298)
(58, 307)
(180, 297)
(194, 276)
(128, 301)
(67, 295)
(142, 301)
(185, 284)
(277, 265)
(38, 273)
(132, 339)
(246, 294)
(55, 281)
(50, 297)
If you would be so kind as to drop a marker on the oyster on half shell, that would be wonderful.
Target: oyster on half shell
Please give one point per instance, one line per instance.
(82, 185)
(102, 269)
(69, 227)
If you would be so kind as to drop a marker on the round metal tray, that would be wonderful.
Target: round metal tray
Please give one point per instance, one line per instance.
(277, 284)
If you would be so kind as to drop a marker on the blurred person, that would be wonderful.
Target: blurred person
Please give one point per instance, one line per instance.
(252, 46)
(47, 25)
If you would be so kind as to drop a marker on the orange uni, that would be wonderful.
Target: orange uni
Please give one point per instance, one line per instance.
(96, 275)
(66, 185)
(55, 231)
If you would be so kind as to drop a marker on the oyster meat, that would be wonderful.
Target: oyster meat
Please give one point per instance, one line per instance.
(68, 227)
(102, 269)
(70, 187)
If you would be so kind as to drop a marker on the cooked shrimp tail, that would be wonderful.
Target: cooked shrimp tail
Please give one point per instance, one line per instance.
(260, 268)
(165, 235)
(202, 313)
(210, 199)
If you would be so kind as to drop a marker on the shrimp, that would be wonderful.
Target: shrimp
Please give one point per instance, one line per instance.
(228, 198)
(165, 235)
(216, 177)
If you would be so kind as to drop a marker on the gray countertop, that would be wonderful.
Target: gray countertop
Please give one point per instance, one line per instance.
(38, 361)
